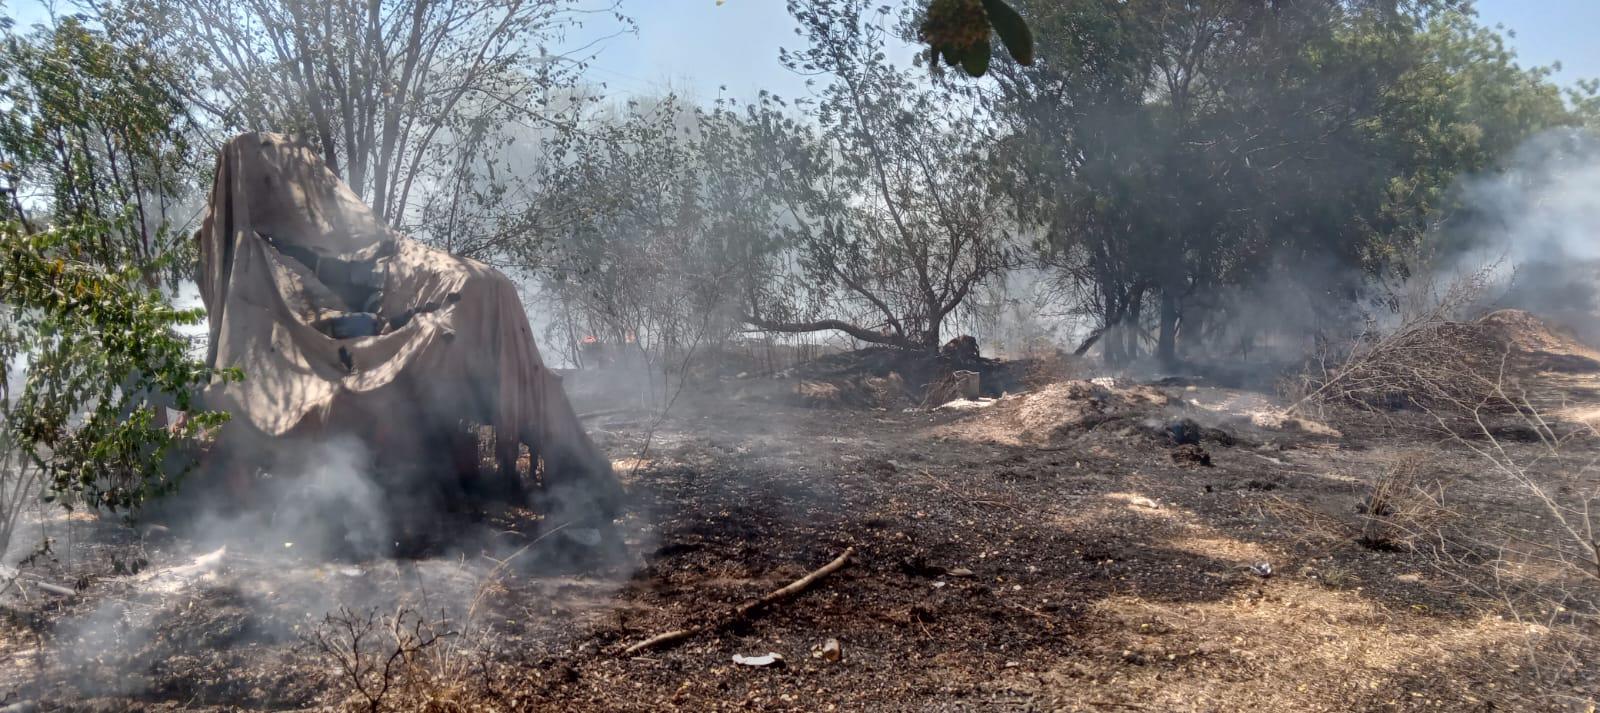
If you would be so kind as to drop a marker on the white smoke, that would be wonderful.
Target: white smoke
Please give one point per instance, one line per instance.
(1540, 215)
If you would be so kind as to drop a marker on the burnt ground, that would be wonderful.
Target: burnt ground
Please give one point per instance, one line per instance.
(1089, 571)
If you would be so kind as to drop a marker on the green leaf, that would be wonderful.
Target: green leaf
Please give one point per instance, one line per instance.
(976, 61)
(1013, 31)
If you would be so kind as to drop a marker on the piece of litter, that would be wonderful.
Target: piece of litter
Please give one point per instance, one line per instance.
(767, 660)
(1262, 568)
(967, 404)
(940, 585)
(960, 572)
(829, 651)
(287, 545)
(1144, 502)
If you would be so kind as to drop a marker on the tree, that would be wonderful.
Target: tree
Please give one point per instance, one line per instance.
(96, 134)
(1186, 150)
(667, 225)
(89, 344)
(414, 103)
(883, 193)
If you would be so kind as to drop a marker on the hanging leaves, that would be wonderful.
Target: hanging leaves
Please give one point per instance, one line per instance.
(958, 32)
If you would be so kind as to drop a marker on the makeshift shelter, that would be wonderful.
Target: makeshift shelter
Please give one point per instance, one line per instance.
(343, 326)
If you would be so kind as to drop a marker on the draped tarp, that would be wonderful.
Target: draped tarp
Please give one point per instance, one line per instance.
(341, 324)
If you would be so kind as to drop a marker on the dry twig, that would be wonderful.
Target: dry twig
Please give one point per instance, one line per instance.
(745, 610)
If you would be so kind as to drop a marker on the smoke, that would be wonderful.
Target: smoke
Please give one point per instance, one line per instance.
(316, 532)
(316, 502)
(1540, 215)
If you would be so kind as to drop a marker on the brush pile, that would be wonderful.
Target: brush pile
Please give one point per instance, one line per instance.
(1435, 364)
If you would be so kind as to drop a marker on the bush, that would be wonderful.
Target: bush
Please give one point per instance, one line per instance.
(93, 361)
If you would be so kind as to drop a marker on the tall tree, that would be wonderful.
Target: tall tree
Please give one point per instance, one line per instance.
(411, 102)
(883, 191)
(89, 160)
(1176, 149)
(94, 132)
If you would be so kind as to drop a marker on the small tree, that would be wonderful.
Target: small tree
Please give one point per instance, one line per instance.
(665, 227)
(99, 356)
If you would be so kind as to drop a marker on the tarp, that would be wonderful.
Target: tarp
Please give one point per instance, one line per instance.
(341, 324)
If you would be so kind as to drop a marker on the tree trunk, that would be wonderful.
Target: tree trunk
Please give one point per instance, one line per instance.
(1130, 332)
(1167, 339)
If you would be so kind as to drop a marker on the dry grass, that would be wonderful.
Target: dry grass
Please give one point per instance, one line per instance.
(1404, 507)
(1539, 558)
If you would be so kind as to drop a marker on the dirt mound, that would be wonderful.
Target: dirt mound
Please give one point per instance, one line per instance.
(1071, 407)
(1538, 345)
(886, 378)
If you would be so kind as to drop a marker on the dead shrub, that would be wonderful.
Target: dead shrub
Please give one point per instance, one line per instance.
(1422, 365)
(377, 660)
(1542, 565)
(1427, 358)
(1043, 368)
(1402, 507)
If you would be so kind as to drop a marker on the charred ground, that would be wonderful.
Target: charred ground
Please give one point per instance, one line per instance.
(1002, 562)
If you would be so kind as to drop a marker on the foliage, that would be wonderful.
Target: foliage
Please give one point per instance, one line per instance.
(1185, 151)
(958, 31)
(665, 227)
(94, 133)
(92, 162)
(99, 356)
(883, 190)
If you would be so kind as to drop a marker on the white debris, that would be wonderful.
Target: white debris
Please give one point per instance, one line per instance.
(767, 660)
(173, 579)
(968, 404)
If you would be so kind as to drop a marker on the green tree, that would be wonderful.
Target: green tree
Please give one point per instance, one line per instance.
(95, 134)
(883, 192)
(1180, 150)
(89, 343)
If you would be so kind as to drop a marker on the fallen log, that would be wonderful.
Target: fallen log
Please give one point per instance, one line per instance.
(746, 609)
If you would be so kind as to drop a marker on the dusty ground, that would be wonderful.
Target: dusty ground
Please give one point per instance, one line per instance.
(996, 568)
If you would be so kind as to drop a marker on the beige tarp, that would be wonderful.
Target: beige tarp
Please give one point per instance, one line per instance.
(288, 253)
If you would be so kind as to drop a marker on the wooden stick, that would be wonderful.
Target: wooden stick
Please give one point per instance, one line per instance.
(606, 412)
(746, 609)
(55, 588)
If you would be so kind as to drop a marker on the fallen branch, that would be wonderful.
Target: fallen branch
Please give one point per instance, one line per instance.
(13, 577)
(746, 609)
(606, 412)
(55, 589)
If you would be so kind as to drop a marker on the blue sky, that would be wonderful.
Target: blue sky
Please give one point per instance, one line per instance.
(700, 46)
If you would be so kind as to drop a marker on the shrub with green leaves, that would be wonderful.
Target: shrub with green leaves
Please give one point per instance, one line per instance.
(99, 356)
(93, 155)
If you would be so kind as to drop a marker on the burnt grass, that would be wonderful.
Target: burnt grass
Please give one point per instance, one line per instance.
(1100, 573)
